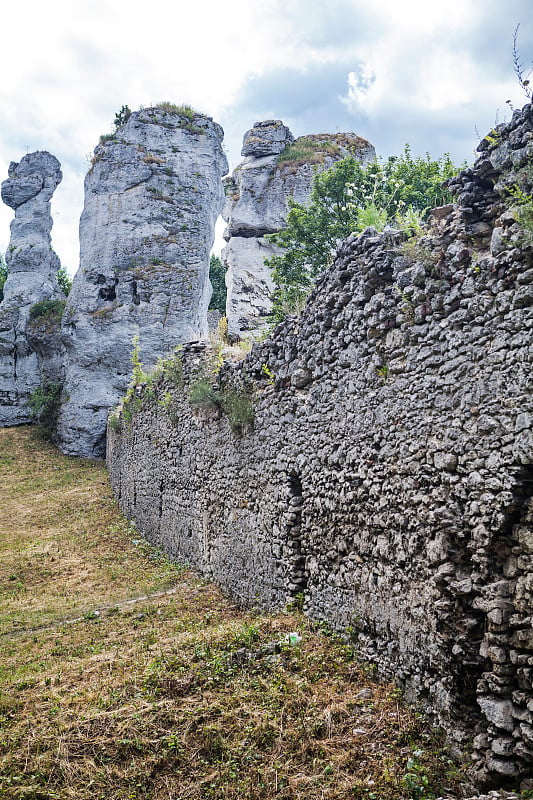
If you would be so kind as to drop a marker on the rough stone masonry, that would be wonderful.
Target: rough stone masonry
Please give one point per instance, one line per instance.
(386, 477)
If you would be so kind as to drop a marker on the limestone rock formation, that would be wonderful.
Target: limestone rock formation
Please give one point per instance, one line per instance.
(256, 205)
(152, 197)
(32, 267)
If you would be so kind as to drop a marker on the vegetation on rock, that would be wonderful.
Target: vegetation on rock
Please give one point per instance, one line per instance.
(122, 116)
(217, 275)
(346, 198)
(47, 311)
(182, 110)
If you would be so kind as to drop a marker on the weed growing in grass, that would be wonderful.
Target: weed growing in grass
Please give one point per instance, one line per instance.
(44, 404)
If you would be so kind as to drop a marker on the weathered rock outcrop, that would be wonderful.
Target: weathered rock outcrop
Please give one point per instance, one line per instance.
(152, 197)
(32, 268)
(256, 205)
(387, 474)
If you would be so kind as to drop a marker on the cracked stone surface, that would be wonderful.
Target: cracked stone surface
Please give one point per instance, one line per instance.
(152, 197)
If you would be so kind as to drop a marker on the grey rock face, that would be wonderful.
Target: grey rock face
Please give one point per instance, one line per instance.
(152, 197)
(387, 475)
(32, 267)
(256, 205)
(267, 138)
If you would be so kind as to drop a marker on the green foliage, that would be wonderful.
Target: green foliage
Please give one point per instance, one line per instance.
(131, 402)
(347, 198)
(64, 281)
(49, 311)
(383, 372)
(138, 375)
(265, 369)
(186, 113)
(114, 423)
(217, 275)
(122, 116)
(237, 405)
(416, 780)
(107, 137)
(236, 402)
(3, 276)
(520, 201)
(171, 368)
(44, 406)
(371, 216)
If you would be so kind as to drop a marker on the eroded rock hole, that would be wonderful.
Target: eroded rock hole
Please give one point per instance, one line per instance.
(107, 292)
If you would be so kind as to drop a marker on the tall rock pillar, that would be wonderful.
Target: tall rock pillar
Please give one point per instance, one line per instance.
(152, 197)
(32, 268)
(276, 167)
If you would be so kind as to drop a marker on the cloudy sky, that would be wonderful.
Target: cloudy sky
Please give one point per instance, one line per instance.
(429, 72)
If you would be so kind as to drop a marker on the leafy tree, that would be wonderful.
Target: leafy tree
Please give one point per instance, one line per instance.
(44, 404)
(64, 281)
(122, 116)
(3, 276)
(346, 198)
(217, 275)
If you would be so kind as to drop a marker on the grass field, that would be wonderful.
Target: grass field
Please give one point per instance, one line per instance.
(123, 676)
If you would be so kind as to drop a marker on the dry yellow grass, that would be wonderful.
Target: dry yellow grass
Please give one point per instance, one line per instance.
(123, 676)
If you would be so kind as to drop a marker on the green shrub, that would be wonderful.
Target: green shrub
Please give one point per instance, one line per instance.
(238, 407)
(203, 395)
(64, 281)
(172, 368)
(114, 423)
(520, 201)
(49, 311)
(44, 405)
(122, 116)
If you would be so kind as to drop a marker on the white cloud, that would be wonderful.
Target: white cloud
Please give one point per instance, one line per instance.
(72, 64)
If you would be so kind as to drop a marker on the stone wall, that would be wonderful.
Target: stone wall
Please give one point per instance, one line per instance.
(386, 477)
